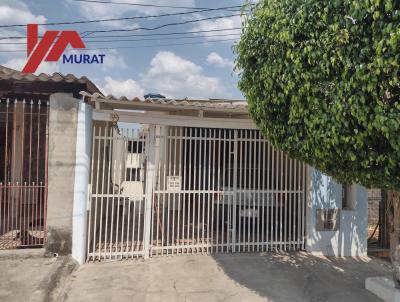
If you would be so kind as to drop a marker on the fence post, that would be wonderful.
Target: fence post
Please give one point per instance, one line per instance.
(149, 185)
(82, 174)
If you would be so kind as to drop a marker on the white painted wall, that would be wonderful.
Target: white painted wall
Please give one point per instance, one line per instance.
(351, 238)
(82, 173)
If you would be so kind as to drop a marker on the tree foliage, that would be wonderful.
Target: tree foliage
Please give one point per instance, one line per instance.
(322, 81)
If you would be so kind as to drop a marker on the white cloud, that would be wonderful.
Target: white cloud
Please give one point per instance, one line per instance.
(17, 12)
(217, 24)
(215, 59)
(129, 88)
(44, 67)
(177, 77)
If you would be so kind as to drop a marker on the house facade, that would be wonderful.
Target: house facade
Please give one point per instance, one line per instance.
(131, 178)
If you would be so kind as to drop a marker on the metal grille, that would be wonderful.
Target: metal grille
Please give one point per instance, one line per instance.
(116, 202)
(225, 191)
(213, 190)
(23, 172)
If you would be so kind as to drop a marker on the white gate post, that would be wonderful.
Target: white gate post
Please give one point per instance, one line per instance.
(150, 180)
(82, 174)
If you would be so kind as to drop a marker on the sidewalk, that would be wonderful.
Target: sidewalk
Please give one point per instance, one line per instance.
(227, 277)
(27, 275)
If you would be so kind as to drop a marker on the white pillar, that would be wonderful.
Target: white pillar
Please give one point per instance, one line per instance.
(81, 186)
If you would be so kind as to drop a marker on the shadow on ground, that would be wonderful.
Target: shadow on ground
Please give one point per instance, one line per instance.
(299, 276)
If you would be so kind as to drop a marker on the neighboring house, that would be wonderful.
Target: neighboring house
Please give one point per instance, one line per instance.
(31, 151)
(140, 178)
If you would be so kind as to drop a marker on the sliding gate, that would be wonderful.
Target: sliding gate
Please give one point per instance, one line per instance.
(192, 190)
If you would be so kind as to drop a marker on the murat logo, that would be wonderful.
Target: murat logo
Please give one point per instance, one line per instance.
(51, 47)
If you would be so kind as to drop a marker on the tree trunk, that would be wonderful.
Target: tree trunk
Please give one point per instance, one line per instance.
(394, 220)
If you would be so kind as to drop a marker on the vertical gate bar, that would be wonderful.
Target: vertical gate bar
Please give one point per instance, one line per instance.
(199, 187)
(118, 189)
(281, 202)
(180, 196)
(254, 186)
(123, 181)
(260, 212)
(173, 165)
(208, 188)
(13, 166)
(204, 170)
(214, 189)
(6, 190)
(150, 180)
(264, 191)
(235, 189)
(286, 198)
(96, 198)
(168, 196)
(108, 139)
(220, 189)
(273, 198)
(184, 195)
(102, 192)
(89, 207)
(187, 241)
(303, 204)
(224, 188)
(195, 163)
(135, 138)
(21, 178)
(269, 194)
(158, 188)
(295, 205)
(130, 134)
(46, 171)
(240, 188)
(228, 176)
(290, 204)
(165, 194)
(37, 163)
(174, 195)
(277, 205)
(245, 187)
(249, 192)
(114, 165)
(298, 209)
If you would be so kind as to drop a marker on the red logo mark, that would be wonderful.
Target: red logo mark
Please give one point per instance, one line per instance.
(36, 52)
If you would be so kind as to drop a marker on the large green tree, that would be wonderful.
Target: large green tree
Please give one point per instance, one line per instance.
(322, 81)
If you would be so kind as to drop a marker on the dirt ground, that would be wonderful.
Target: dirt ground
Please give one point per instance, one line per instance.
(223, 277)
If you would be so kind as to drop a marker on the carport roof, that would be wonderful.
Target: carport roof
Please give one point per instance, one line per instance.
(221, 105)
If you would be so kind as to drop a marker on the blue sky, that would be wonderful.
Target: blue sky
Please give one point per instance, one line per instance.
(195, 71)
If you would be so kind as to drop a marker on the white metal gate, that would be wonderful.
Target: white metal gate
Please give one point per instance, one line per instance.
(207, 190)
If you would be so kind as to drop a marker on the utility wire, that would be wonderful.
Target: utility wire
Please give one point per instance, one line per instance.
(159, 26)
(139, 4)
(132, 47)
(124, 18)
(140, 35)
(142, 39)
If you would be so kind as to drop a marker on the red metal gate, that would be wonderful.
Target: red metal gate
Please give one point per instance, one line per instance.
(23, 172)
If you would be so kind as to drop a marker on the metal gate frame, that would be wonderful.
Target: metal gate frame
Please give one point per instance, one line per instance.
(284, 235)
(23, 173)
